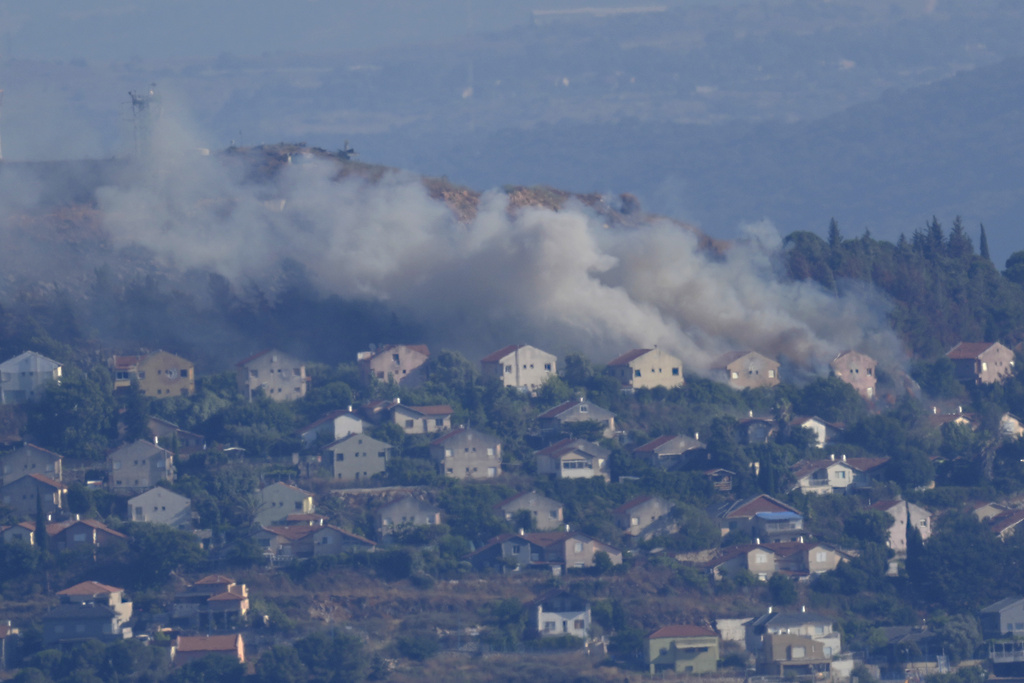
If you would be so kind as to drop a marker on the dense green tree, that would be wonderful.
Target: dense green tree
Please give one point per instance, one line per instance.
(77, 417)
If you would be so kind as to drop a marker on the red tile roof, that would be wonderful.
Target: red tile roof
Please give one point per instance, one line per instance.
(90, 588)
(227, 643)
(49, 482)
(968, 350)
(430, 410)
(629, 357)
(682, 631)
(629, 505)
(214, 579)
(761, 503)
(500, 353)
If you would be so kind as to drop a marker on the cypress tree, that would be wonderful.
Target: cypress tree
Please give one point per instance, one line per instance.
(983, 244)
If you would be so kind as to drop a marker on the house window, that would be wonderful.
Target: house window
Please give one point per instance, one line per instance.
(819, 556)
(578, 547)
(636, 373)
(394, 358)
(675, 372)
(583, 408)
(760, 558)
(734, 374)
(547, 367)
(819, 630)
(298, 505)
(408, 424)
(439, 422)
(796, 652)
(490, 452)
(771, 373)
(578, 625)
(549, 626)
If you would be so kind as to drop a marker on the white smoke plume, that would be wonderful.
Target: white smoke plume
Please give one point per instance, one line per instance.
(560, 280)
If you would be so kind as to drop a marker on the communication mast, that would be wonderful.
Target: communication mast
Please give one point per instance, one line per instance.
(145, 110)
(1, 108)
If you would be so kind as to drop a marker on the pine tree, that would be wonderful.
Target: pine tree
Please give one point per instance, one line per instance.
(835, 238)
(983, 244)
(959, 243)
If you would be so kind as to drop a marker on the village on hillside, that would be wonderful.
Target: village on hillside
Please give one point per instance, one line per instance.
(619, 520)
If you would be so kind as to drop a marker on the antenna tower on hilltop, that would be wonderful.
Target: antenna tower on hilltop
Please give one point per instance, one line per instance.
(1, 107)
(145, 109)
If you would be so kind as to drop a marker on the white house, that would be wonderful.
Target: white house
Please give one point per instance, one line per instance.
(160, 506)
(25, 377)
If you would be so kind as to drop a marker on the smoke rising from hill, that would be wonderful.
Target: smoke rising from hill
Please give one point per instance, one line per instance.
(562, 279)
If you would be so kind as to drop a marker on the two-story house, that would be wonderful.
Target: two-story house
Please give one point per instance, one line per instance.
(570, 413)
(639, 516)
(545, 513)
(682, 648)
(902, 513)
(422, 419)
(88, 610)
(831, 475)
(159, 374)
(559, 613)
(812, 625)
(25, 377)
(335, 425)
(161, 506)
(399, 363)
(521, 366)
(745, 370)
(273, 374)
(646, 369)
(30, 493)
(742, 515)
(357, 457)
(465, 453)
(857, 370)
(279, 500)
(1003, 618)
(823, 430)
(30, 459)
(981, 362)
(405, 513)
(671, 452)
(558, 550)
(175, 439)
(573, 459)
(138, 466)
(211, 602)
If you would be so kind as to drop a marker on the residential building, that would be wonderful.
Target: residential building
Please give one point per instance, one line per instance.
(88, 610)
(190, 648)
(357, 457)
(521, 366)
(831, 475)
(571, 413)
(273, 374)
(405, 513)
(334, 425)
(756, 429)
(903, 511)
(422, 419)
(82, 534)
(161, 506)
(646, 369)
(793, 657)
(559, 550)
(279, 500)
(466, 453)
(746, 370)
(138, 466)
(857, 370)
(817, 627)
(22, 532)
(545, 513)
(981, 362)
(672, 452)
(175, 439)
(1003, 618)
(573, 459)
(721, 478)
(32, 492)
(159, 374)
(302, 541)
(1005, 525)
(559, 613)
(682, 648)
(399, 363)
(823, 431)
(1011, 427)
(741, 515)
(211, 602)
(25, 377)
(30, 459)
(10, 638)
(638, 517)
(778, 527)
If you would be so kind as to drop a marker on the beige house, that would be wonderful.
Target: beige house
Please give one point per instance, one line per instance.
(545, 512)
(279, 500)
(174, 438)
(573, 459)
(159, 374)
(25, 494)
(211, 601)
(465, 453)
(405, 513)
(88, 610)
(422, 419)
(138, 466)
(670, 451)
(553, 549)
(637, 516)
(567, 414)
(82, 534)
(160, 506)
(521, 366)
(857, 370)
(746, 370)
(334, 425)
(823, 431)
(25, 377)
(903, 511)
(30, 459)
(682, 648)
(559, 613)
(398, 363)
(273, 374)
(831, 475)
(357, 457)
(646, 369)
(817, 627)
(981, 362)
